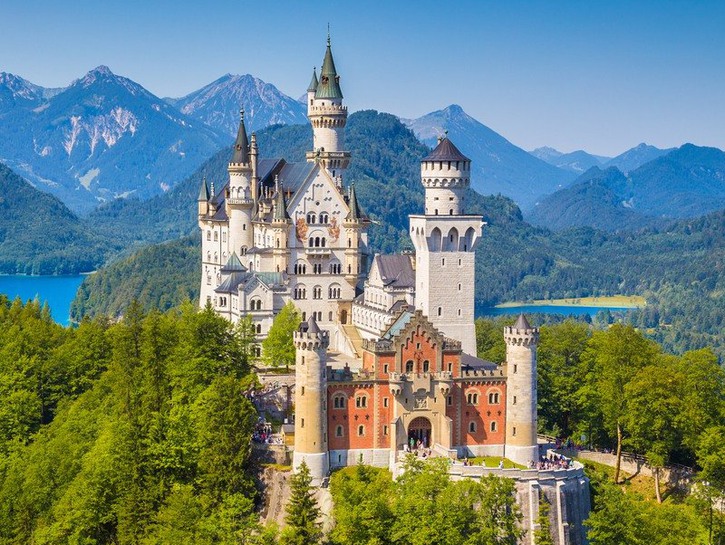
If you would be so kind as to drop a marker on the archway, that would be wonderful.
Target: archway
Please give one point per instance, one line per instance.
(420, 432)
(343, 316)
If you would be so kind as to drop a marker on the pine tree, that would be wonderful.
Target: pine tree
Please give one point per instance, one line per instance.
(542, 536)
(278, 348)
(303, 513)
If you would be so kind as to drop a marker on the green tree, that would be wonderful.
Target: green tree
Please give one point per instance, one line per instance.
(278, 349)
(303, 513)
(542, 535)
(613, 357)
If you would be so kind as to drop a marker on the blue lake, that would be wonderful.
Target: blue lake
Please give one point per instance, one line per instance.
(546, 309)
(57, 291)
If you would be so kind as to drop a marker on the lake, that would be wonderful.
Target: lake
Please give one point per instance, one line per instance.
(57, 291)
(567, 310)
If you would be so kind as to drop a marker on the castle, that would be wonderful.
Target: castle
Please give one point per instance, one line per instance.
(386, 354)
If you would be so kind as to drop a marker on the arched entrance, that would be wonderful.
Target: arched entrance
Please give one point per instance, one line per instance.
(343, 316)
(420, 433)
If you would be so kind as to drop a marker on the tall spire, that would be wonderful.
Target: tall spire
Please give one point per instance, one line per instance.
(241, 145)
(329, 86)
(204, 191)
(280, 206)
(355, 212)
(313, 84)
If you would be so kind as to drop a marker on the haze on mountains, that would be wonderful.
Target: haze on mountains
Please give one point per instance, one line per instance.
(576, 161)
(686, 182)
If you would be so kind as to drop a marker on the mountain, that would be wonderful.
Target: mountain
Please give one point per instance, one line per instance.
(498, 165)
(576, 161)
(102, 137)
(218, 104)
(636, 157)
(593, 200)
(16, 92)
(686, 182)
(39, 235)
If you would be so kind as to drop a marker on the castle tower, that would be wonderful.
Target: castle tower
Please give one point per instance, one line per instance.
(355, 225)
(521, 341)
(239, 199)
(203, 199)
(311, 399)
(445, 240)
(328, 117)
(280, 231)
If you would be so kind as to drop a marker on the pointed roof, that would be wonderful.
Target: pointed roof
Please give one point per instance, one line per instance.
(445, 151)
(241, 144)
(312, 326)
(329, 86)
(204, 191)
(522, 322)
(355, 212)
(280, 207)
(233, 264)
(313, 84)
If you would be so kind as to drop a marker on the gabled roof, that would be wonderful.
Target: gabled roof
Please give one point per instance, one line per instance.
(445, 151)
(231, 283)
(395, 270)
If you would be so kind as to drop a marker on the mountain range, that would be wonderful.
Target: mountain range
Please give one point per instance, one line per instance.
(686, 182)
(218, 104)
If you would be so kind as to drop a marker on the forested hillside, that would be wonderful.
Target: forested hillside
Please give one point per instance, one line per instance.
(39, 235)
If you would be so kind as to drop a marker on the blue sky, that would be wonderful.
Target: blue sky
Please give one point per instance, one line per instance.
(600, 76)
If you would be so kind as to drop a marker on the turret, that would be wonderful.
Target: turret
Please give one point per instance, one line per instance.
(311, 399)
(253, 157)
(281, 223)
(355, 224)
(446, 176)
(521, 441)
(239, 198)
(203, 199)
(328, 117)
(311, 90)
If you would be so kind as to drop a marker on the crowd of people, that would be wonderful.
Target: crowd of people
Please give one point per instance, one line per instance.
(263, 433)
(552, 461)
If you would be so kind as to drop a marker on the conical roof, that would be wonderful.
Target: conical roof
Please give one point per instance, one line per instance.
(241, 144)
(203, 191)
(280, 207)
(313, 84)
(329, 86)
(355, 212)
(522, 322)
(312, 326)
(445, 151)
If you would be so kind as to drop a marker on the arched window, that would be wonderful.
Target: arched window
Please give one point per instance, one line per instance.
(338, 401)
(451, 241)
(472, 398)
(216, 236)
(311, 218)
(324, 218)
(259, 329)
(361, 401)
(208, 235)
(435, 239)
(311, 242)
(361, 430)
(324, 242)
(317, 268)
(300, 267)
(300, 292)
(472, 427)
(426, 366)
(335, 267)
(409, 366)
(338, 431)
(493, 426)
(317, 292)
(334, 291)
(493, 398)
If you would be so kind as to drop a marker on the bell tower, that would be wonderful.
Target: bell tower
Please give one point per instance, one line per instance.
(445, 240)
(240, 198)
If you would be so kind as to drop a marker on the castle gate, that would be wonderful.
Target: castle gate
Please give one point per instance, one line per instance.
(420, 429)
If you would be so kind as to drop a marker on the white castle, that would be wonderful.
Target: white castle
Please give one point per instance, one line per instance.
(280, 232)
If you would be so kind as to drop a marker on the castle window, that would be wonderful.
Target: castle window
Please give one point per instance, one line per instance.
(317, 268)
(311, 218)
(459, 285)
(385, 402)
(472, 427)
(459, 311)
(493, 426)
(257, 351)
(259, 329)
(334, 292)
(450, 400)
(302, 422)
(450, 212)
(300, 268)
(436, 211)
(317, 292)
(426, 366)
(324, 218)
(300, 292)
(329, 316)
(302, 391)
(385, 430)
(318, 316)
(472, 398)
(513, 431)
(440, 311)
(338, 431)
(409, 366)
(208, 235)
(450, 367)
(514, 400)
(361, 401)
(443, 262)
(385, 370)
(515, 368)
(335, 268)
(361, 430)
(460, 261)
(216, 236)
(493, 398)
(324, 243)
(304, 319)
(338, 402)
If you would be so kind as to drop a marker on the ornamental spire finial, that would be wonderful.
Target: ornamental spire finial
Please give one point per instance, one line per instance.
(328, 34)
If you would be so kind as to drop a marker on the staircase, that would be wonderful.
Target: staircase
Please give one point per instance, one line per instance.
(353, 335)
